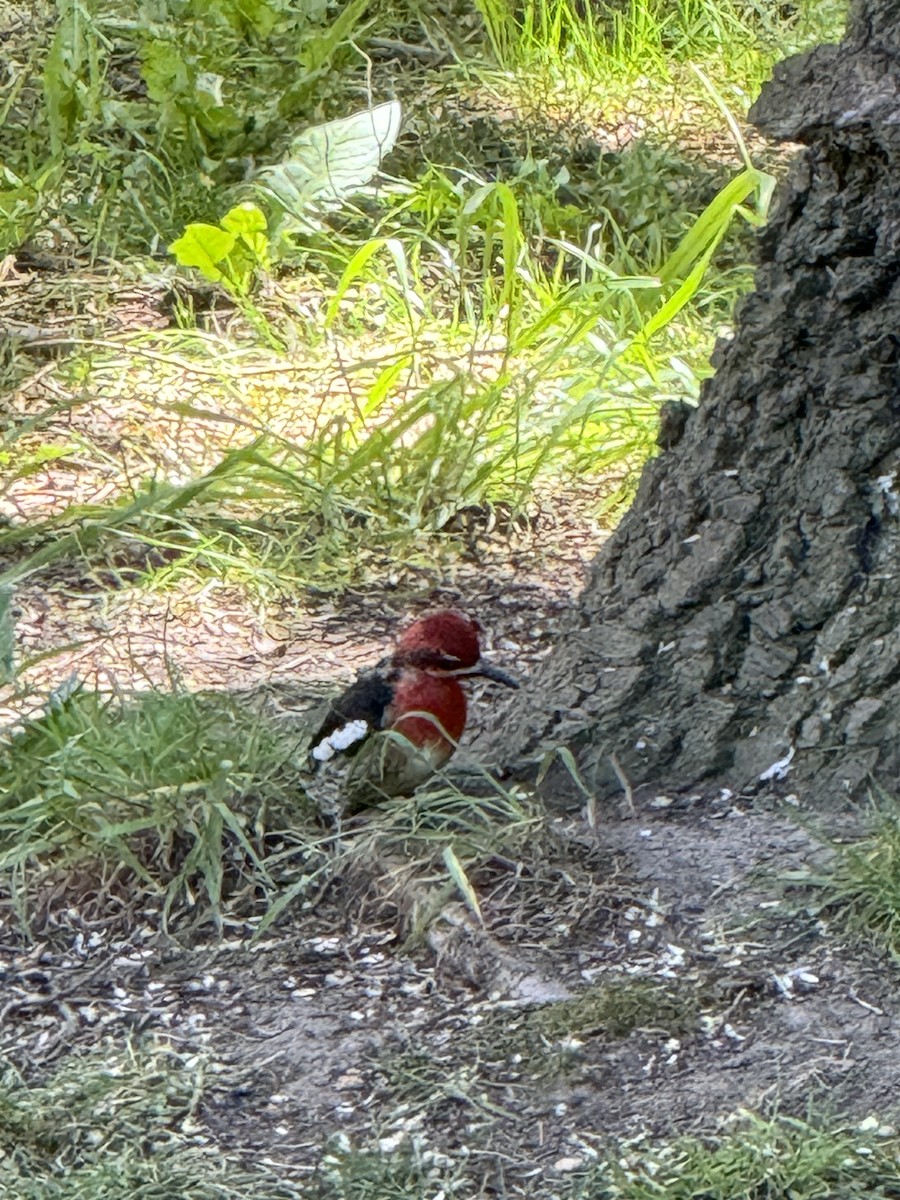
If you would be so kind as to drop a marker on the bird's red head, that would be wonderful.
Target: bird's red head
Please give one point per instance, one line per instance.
(442, 640)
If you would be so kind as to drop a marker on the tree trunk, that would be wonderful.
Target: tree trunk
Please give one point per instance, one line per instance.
(747, 610)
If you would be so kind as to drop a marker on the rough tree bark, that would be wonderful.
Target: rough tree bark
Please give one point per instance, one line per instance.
(748, 607)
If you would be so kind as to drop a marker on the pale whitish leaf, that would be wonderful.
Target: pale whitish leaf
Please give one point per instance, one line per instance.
(459, 877)
(328, 162)
(209, 89)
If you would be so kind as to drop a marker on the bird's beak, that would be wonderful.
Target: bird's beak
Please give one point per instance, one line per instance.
(489, 671)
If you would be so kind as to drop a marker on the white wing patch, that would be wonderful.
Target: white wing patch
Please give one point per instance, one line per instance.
(342, 739)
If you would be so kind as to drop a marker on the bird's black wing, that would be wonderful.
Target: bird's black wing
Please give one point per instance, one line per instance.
(363, 703)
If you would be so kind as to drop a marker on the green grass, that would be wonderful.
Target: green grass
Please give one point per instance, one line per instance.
(629, 43)
(118, 1122)
(503, 315)
(170, 796)
(752, 1158)
(559, 357)
(501, 327)
(194, 808)
(346, 1173)
(110, 1122)
(860, 887)
(126, 129)
(537, 1047)
(757, 1158)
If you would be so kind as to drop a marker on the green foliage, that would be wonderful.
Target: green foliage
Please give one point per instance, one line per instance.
(22, 466)
(640, 37)
(7, 638)
(348, 1174)
(779, 1158)
(861, 886)
(197, 803)
(689, 263)
(327, 163)
(113, 1123)
(22, 205)
(567, 298)
(230, 253)
(149, 119)
(576, 386)
(172, 786)
(72, 74)
(757, 1158)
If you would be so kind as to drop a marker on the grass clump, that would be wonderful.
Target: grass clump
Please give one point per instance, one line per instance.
(192, 809)
(624, 41)
(511, 371)
(755, 1158)
(169, 796)
(508, 1050)
(407, 858)
(617, 1009)
(413, 1173)
(114, 1123)
(861, 886)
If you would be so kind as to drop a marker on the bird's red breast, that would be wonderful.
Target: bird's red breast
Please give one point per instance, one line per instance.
(417, 693)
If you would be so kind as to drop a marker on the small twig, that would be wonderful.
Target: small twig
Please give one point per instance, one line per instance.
(389, 48)
(879, 1012)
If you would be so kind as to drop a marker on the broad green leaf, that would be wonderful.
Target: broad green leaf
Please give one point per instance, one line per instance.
(244, 219)
(248, 224)
(204, 246)
(166, 71)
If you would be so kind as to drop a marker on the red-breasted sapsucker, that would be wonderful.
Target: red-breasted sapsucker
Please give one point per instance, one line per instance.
(398, 724)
